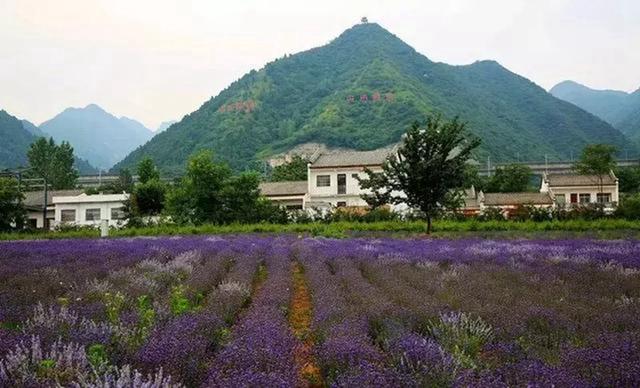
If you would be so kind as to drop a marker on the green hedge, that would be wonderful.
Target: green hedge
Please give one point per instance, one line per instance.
(442, 228)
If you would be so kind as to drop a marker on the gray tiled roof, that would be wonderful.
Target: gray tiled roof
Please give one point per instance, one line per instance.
(36, 198)
(283, 188)
(353, 158)
(579, 180)
(498, 199)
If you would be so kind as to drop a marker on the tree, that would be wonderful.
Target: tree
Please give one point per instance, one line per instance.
(375, 183)
(429, 164)
(125, 181)
(53, 163)
(148, 198)
(598, 160)
(12, 212)
(147, 170)
(472, 177)
(629, 178)
(240, 195)
(294, 170)
(198, 198)
(510, 179)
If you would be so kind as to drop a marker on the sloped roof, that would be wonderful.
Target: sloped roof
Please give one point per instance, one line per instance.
(579, 180)
(36, 198)
(353, 158)
(499, 199)
(274, 189)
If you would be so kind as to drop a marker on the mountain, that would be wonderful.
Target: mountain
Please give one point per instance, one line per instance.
(362, 91)
(15, 141)
(17, 136)
(164, 125)
(618, 108)
(96, 135)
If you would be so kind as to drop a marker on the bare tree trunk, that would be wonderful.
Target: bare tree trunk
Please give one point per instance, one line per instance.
(428, 224)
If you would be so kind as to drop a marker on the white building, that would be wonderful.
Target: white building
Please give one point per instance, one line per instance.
(575, 190)
(332, 177)
(34, 204)
(89, 210)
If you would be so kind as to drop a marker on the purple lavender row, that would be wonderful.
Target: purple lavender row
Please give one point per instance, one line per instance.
(343, 305)
(261, 350)
(186, 344)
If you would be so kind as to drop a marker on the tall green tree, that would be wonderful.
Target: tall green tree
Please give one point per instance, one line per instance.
(375, 183)
(198, 198)
(148, 198)
(125, 181)
(147, 170)
(429, 164)
(53, 163)
(509, 179)
(598, 160)
(294, 170)
(12, 211)
(629, 178)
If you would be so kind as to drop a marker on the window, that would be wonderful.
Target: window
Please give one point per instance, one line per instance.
(354, 176)
(603, 197)
(117, 213)
(341, 204)
(323, 180)
(560, 198)
(68, 215)
(585, 197)
(342, 183)
(92, 215)
(574, 198)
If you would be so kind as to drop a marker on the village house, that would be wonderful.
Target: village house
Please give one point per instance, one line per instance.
(333, 177)
(34, 205)
(292, 195)
(90, 210)
(570, 190)
(74, 207)
(333, 183)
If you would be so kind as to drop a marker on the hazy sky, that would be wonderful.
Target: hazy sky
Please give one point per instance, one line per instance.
(158, 60)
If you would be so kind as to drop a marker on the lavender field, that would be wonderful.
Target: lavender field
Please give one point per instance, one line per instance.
(256, 311)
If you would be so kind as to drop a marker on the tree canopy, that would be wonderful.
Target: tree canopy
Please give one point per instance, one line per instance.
(53, 163)
(510, 179)
(12, 212)
(294, 170)
(428, 166)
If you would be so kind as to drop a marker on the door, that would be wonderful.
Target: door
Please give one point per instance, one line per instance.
(342, 183)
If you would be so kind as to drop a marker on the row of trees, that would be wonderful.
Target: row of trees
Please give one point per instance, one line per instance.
(209, 192)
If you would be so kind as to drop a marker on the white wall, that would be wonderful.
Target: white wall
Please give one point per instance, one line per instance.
(330, 194)
(592, 190)
(80, 208)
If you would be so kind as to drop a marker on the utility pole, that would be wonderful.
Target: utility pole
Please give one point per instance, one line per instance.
(44, 209)
(489, 166)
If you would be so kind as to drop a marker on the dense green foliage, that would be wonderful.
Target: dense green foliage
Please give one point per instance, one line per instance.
(12, 213)
(596, 159)
(294, 170)
(210, 193)
(54, 163)
(510, 179)
(629, 179)
(629, 208)
(148, 198)
(306, 97)
(603, 228)
(428, 165)
(620, 109)
(147, 170)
